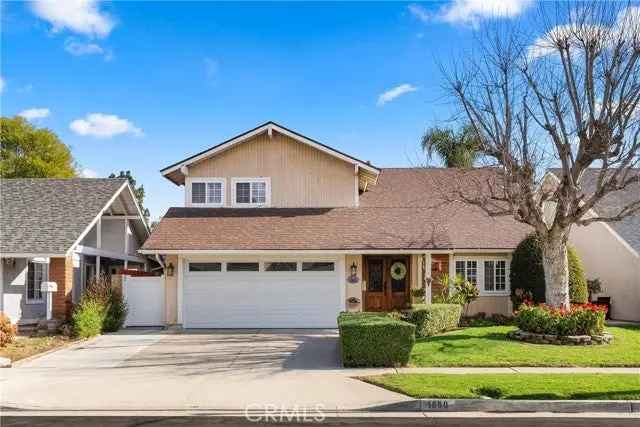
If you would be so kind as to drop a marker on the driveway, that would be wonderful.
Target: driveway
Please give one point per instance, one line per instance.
(192, 370)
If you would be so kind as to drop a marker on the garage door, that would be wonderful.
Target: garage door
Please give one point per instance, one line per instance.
(261, 294)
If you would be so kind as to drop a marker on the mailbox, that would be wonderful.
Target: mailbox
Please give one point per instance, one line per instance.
(48, 287)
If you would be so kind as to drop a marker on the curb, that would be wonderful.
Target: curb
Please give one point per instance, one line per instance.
(511, 406)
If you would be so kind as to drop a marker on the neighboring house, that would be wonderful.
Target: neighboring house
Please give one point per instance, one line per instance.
(66, 231)
(610, 251)
(279, 230)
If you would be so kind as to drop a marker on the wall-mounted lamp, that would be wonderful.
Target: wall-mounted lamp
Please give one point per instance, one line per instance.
(353, 277)
(170, 270)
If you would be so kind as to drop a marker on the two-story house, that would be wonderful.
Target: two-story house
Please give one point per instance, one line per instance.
(280, 230)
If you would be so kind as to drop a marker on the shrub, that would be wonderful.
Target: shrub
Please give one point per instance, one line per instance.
(431, 319)
(595, 287)
(464, 292)
(88, 317)
(116, 312)
(8, 330)
(578, 289)
(375, 339)
(527, 273)
(586, 319)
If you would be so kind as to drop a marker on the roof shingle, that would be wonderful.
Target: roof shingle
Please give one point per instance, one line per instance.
(46, 216)
(407, 209)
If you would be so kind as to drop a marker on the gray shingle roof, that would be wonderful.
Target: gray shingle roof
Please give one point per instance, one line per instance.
(46, 216)
(610, 205)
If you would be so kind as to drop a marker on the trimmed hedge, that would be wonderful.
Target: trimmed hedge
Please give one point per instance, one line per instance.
(578, 289)
(527, 271)
(431, 319)
(375, 339)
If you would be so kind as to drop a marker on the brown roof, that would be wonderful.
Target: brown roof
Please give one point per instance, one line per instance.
(407, 209)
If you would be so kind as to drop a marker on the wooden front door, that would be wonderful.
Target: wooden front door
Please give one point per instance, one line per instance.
(388, 282)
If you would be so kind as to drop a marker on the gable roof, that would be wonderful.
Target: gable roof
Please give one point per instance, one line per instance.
(610, 205)
(407, 210)
(268, 127)
(49, 216)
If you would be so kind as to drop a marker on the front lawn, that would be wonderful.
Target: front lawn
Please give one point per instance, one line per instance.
(489, 346)
(24, 347)
(513, 386)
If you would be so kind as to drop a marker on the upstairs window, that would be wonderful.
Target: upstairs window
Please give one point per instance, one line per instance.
(207, 193)
(251, 192)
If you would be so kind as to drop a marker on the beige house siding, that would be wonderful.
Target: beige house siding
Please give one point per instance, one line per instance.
(491, 305)
(606, 257)
(301, 176)
(354, 289)
(171, 291)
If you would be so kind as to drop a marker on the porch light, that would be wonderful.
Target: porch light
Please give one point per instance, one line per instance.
(354, 269)
(170, 270)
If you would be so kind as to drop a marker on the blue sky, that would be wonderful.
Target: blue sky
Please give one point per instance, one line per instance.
(140, 85)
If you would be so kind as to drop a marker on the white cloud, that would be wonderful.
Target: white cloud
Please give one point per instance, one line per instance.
(395, 92)
(79, 16)
(627, 26)
(472, 12)
(2, 84)
(104, 126)
(78, 48)
(35, 113)
(419, 12)
(88, 173)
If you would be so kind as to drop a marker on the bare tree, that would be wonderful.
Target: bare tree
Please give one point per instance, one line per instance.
(569, 97)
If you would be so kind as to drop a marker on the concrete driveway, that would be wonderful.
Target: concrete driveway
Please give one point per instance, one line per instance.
(191, 370)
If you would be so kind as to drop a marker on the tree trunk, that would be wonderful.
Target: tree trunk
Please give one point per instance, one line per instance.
(556, 270)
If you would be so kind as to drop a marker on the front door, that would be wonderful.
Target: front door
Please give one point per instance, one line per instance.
(387, 280)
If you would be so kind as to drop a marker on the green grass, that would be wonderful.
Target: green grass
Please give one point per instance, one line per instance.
(489, 346)
(513, 386)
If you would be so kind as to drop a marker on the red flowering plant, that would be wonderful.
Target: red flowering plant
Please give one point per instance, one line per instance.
(580, 319)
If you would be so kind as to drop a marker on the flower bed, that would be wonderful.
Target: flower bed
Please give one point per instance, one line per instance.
(581, 324)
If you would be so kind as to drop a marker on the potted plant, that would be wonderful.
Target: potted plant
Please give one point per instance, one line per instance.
(353, 303)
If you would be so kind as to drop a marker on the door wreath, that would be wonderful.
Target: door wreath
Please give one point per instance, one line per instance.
(398, 270)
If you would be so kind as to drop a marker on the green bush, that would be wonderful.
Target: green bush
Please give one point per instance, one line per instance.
(375, 339)
(88, 317)
(527, 273)
(432, 319)
(116, 312)
(587, 319)
(578, 288)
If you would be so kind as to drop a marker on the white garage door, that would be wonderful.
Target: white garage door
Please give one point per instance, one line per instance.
(261, 294)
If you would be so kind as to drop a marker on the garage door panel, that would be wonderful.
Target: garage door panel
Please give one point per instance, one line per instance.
(261, 299)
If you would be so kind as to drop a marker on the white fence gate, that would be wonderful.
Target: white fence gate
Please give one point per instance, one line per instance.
(145, 300)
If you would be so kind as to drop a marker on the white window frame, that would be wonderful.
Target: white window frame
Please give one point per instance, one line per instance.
(188, 187)
(41, 300)
(480, 272)
(267, 198)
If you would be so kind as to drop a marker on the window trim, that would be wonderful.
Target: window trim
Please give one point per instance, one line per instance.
(267, 198)
(480, 260)
(42, 299)
(188, 193)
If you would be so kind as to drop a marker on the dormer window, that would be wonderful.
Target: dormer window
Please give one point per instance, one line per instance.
(251, 192)
(206, 192)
